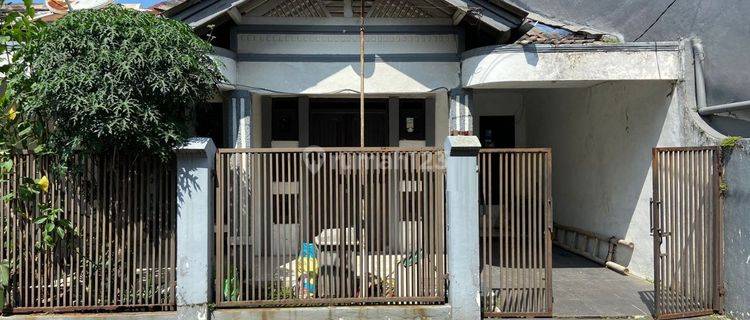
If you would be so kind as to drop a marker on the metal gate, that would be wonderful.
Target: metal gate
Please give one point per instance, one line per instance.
(330, 226)
(687, 229)
(515, 232)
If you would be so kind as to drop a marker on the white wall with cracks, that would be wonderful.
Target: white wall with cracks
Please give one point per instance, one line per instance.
(601, 139)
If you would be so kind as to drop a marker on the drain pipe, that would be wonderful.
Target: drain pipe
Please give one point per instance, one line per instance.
(700, 87)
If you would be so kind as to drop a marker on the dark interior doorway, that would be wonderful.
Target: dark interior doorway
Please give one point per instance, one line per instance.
(335, 122)
(497, 131)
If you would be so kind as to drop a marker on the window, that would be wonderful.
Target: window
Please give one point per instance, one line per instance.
(411, 123)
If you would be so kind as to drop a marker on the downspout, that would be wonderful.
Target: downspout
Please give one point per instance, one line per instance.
(700, 87)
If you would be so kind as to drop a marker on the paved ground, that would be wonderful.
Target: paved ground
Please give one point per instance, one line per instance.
(582, 288)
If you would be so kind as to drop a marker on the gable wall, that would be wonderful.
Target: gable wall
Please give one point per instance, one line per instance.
(321, 56)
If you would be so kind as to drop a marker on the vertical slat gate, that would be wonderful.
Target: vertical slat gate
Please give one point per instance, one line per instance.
(123, 253)
(515, 232)
(687, 228)
(330, 226)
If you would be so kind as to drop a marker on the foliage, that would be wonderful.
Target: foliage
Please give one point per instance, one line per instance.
(4, 281)
(231, 288)
(114, 80)
(54, 228)
(730, 142)
(282, 293)
(95, 81)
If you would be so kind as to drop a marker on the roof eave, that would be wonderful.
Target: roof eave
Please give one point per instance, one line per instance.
(496, 14)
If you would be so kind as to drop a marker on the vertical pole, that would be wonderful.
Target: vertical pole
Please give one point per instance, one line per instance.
(195, 201)
(718, 231)
(462, 185)
(362, 73)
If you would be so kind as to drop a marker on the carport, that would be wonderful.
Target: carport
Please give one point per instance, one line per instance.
(597, 110)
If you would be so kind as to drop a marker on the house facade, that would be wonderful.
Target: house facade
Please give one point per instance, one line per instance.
(436, 69)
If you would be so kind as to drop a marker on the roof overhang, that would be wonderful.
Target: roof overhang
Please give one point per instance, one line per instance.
(534, 66)
(496, 14)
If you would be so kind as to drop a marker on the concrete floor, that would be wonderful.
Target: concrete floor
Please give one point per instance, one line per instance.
(582, 288)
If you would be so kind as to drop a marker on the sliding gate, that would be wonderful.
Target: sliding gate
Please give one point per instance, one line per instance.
(687, 228)
(333, 226)
(515, 232)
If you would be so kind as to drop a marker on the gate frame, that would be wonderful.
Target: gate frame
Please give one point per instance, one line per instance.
(718, 229)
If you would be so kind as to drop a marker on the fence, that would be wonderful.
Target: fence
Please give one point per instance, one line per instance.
(515, 232)
(330, 227)
(688, 231)
(122, 254)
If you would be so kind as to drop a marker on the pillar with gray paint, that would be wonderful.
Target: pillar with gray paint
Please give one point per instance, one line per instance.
(237, 119)
(195, 203)
(461, 119)
(462, 180)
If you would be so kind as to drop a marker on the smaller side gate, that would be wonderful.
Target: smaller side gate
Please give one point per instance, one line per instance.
(515, 232)
(687, 227)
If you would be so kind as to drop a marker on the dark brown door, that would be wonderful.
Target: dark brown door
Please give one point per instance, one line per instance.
(335, 122)
(687, 228)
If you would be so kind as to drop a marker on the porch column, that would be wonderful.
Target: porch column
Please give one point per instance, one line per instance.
(237, 119)
(462, 192)
(461, 108)
(195, 205)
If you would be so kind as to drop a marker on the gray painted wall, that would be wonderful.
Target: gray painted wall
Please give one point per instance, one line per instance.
(721, 25)
(737, 232)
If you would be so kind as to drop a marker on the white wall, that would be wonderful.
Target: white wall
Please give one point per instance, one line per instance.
(601, 139)
(297, 66)
(515, 66)
(343, 77)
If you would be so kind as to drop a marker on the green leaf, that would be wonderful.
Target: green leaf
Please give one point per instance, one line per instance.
(8, 197)
(49, 227)
(39, 148)
(4, 273)
(40, 219)
(6, 166)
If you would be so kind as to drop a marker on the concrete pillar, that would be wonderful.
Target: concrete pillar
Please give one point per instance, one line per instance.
(461, 108)
(195, 205)
(462, 187)
(238, 114)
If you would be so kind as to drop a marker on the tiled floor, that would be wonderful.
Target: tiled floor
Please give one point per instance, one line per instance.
(582, 288)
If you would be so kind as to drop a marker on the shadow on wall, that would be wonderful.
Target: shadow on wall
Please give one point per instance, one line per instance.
(601, 139)
(331, 77)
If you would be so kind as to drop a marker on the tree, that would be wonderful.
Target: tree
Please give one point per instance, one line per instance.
(111, 80)
(114, 80)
